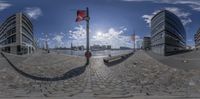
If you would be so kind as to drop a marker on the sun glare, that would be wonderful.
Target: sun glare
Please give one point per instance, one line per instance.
(99, 33)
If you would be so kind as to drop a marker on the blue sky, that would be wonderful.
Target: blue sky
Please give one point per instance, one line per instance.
(112, 21)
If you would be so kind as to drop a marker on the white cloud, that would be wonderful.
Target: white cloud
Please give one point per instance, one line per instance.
(59, 40)
(4, 5)
(113, 37)
(53, 39)
(77, 36)
(33, 12)
(178, 12)
(136, 0)
(184, 16)
(194, 4)
(147, 18)
(78, 33)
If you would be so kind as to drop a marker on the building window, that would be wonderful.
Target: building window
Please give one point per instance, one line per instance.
(11, 39)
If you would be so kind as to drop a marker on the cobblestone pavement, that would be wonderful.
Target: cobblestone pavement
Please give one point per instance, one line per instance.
(187, 60)
(139, 75)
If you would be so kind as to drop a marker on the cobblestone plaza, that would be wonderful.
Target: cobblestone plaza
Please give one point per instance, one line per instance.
(136, 76)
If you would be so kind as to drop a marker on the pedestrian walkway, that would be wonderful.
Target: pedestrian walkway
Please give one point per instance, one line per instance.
(186, 61)
(137, 76)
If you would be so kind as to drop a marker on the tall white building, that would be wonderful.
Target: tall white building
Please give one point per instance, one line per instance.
(16, 35)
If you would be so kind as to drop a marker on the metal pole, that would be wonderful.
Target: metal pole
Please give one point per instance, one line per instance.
(87, 30)
(87, 34)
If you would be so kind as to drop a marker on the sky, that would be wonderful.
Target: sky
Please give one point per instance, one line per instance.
(112, 22)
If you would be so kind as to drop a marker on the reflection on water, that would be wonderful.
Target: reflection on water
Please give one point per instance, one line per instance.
(94, 53)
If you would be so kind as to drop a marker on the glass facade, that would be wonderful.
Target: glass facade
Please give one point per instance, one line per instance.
(146, 43)
(197, 39)
(167, 33)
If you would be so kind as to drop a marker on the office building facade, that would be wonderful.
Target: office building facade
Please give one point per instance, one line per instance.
(197, 39)
(16, 35)
(167, 33)
(147, 43)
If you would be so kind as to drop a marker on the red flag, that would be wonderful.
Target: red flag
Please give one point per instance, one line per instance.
(81, 15)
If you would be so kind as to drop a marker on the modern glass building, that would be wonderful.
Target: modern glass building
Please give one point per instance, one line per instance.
(16, 35)
(147, 43)
(167, 33)
(197, 39)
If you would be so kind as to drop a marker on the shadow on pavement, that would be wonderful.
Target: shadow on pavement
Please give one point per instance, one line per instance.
(178, 53)
(70, 74)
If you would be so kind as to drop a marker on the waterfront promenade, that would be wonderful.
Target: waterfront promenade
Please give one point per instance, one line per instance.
(53, 75)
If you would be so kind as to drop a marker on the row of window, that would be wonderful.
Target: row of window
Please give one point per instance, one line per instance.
(26, 39)
(27, 20)
(8, 27)
(157, 20)
(26, 25)
(9, 20)
(158, 45)
(178, 26)
(9, 33)
(157, 29)
(176, 29)
(169, 35)
(158, 39)
(197, 36)
(173, 42)
(161, 45)
(171, 19)
(174, 18)
(157, 16)
(173, 45)
(174, 33)
(9, 40)
(25, 31)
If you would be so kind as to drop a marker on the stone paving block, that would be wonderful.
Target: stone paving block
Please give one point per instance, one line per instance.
(138, 75)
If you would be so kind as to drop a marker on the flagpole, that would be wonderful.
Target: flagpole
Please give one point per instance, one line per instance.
(87, 33)
(87, 29)
(84, 15)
